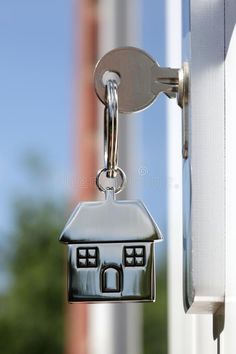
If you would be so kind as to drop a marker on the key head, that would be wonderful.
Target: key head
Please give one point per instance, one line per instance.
(135, 70)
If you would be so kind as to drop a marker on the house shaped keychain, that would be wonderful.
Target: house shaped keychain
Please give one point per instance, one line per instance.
(111, 243)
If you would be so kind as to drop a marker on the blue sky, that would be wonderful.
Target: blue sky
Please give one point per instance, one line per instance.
(35, 94)
(153, 118)
(36, 45)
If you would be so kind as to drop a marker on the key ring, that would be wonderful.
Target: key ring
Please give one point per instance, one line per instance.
(111, 129)
(111, 169)
(117, 189)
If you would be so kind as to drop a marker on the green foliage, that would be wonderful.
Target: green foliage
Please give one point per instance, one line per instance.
(31, 309)
(155, 319)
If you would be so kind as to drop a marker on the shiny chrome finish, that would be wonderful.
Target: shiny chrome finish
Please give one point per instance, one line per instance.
(188, 291)
(111, 255)
(118, 188)
(111, 128)
(141, 79)
(134, 68)
(111, 280)
(111, 251)
(183, 101)
(111, 169)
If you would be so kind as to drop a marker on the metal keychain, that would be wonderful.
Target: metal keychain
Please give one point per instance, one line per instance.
(111, 243)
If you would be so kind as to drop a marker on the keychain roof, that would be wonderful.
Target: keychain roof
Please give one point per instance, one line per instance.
(116, 220)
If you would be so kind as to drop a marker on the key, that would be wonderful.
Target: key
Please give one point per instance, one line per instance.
(139, 76)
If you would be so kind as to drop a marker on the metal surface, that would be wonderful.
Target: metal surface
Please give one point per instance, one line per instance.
(187, 245)
(117, 186)
(141, 78)
(111, 279)
(111, 251)
(183, 101)
(110, 220)
(111, 169)
(111, 128)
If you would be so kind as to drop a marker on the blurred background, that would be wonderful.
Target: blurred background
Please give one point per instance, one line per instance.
(51, 148)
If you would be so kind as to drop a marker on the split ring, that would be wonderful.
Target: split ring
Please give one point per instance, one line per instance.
(111, 129)
(119, 172)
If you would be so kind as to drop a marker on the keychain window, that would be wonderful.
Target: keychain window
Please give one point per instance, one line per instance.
(87, 257)
(134, 256)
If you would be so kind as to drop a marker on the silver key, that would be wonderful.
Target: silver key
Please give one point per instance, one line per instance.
(139, 76)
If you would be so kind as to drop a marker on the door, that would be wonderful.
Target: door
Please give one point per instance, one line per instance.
(208, 284)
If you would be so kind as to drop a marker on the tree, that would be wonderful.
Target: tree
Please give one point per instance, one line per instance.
(32, 307)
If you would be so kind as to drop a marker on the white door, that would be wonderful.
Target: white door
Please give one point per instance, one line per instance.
(209, 277)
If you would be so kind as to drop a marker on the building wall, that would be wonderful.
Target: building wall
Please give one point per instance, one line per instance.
(84, 146)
